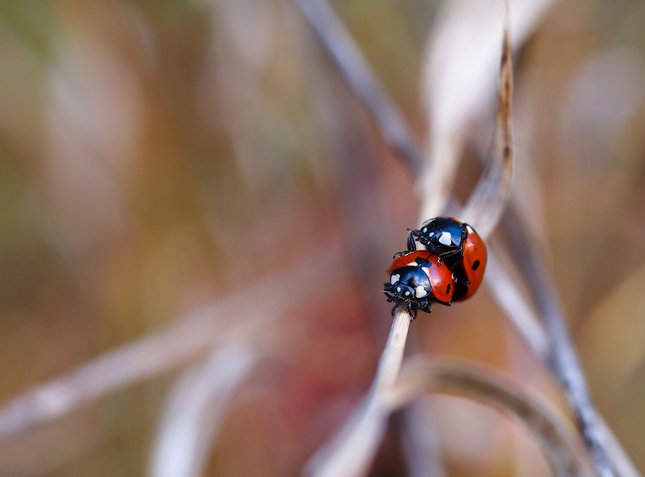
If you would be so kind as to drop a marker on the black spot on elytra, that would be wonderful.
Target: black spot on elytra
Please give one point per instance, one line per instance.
(476, 265)
(448, 289)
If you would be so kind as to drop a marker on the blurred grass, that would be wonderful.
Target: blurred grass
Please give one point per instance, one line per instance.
(155, 155)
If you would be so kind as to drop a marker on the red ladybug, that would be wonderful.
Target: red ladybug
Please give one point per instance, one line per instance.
(469, 273)
(418, 279)
(459, 246)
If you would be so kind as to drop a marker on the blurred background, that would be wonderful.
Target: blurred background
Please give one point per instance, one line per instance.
(201, 165)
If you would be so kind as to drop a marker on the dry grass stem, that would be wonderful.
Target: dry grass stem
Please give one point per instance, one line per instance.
(187, 339)
(490, 197)
(347, 56)
(461, 60)
(565, 364)
(422, 375)
(619, 459)
(350, 452)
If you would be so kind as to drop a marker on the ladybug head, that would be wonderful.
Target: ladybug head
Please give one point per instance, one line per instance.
(408, 285)
(442, 235)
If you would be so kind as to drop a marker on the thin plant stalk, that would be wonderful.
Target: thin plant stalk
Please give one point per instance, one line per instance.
(490, 197)
(350, 451)
(347, 56)
(566, 363)
(187, 339)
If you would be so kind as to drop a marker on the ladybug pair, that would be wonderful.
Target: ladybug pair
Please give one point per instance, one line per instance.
(450, 269)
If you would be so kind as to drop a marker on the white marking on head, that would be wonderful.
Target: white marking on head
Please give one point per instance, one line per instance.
(420, 292)
(398, 289)
(424, 229)
(394, 279)
(445, 238)
(407, 293)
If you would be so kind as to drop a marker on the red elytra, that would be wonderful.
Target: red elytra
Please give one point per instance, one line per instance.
(439, 275)
(470, 272)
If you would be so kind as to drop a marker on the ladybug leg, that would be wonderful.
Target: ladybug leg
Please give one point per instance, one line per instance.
(424, 305)
(448, 258)
(412, 246)
(461, 279)
(412, 312)
(459, 251)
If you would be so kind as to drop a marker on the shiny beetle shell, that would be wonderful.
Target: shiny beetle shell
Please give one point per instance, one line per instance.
(419, 279)
(470, 272)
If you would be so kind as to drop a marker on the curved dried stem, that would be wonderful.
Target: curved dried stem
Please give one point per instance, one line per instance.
(422, 375)
(490, 197)
(350, 452)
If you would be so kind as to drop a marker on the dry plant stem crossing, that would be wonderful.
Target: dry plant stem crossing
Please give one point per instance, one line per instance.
(565, 364)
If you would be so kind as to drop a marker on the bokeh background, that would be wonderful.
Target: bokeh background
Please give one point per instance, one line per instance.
(158, 158)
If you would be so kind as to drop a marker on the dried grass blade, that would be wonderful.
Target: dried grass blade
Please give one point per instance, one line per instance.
(566, 363)
(490, 197)
(188, 338)
(459, 73)
(350, 452)
(422, 375)
(619, 458)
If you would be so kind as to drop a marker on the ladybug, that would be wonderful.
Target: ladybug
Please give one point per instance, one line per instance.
(469, 273)
(444, 236)
(418, 279)
(459, 246)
